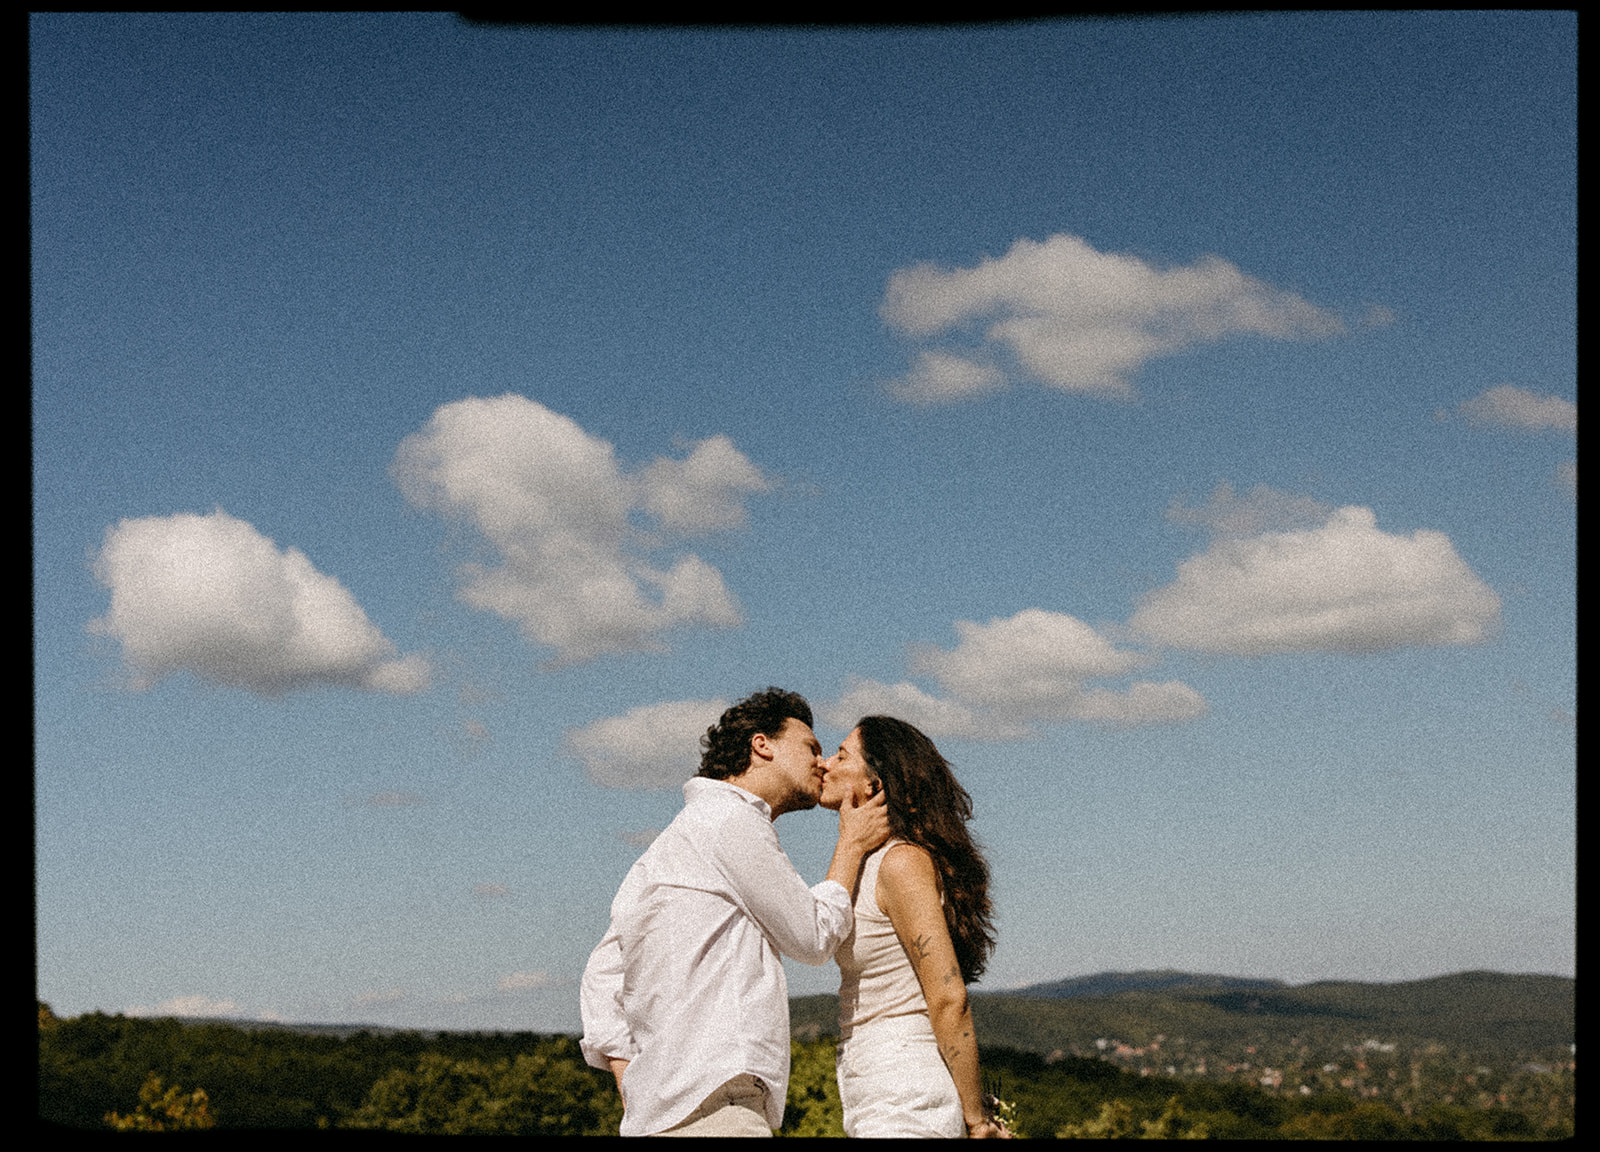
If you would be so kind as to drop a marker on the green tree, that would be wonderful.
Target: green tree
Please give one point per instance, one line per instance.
(1364, 1121)
(812, 1107)
(165, 1111)
(1116, 1121)
(545, 1093)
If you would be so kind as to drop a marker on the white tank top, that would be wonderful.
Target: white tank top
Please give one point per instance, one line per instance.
(876, 977)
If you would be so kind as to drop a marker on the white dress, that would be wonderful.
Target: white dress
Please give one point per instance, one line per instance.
(892, 1080)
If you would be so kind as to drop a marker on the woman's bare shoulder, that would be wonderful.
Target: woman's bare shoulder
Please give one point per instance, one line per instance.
(908, 866)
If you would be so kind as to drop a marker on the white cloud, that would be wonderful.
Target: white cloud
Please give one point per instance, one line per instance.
(940, 376)
(639, 837)
(1344, 586)
(1082, 320)
(555, 505)
(1566, 477)
(212, 595)
(525, 981)
(1037, 665)
(653, 746)
(197, 1005)
(1003, 676)
(1262, 509)
(1507, 406)
(1032, 664)
(939, 719)
(703, 492)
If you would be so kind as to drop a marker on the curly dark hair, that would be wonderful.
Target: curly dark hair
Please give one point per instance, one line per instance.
(725, 748)
(927, 807)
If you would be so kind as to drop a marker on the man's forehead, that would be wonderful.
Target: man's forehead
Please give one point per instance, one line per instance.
(795, 728)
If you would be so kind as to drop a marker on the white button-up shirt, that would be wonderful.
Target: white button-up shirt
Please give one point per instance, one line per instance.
(687, 982)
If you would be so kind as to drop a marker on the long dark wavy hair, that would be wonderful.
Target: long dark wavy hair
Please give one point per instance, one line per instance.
(927, 807)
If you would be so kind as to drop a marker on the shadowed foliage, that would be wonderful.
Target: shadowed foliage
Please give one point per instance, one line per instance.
(1476, 1056)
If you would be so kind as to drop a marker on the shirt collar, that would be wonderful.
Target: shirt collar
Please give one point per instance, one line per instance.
(700, 786)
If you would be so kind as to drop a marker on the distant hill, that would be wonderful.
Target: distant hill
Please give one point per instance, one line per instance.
(1489, 1012)
(1157, 980)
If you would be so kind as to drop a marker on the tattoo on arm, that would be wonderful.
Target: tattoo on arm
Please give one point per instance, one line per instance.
(953, 974)
(921, 945)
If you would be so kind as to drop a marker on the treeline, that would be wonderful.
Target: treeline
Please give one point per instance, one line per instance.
(1094, 1099)
(1502, 1018)
(97, 1071)
(95, 1066)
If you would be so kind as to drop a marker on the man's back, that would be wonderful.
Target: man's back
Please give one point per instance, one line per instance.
(688, 984)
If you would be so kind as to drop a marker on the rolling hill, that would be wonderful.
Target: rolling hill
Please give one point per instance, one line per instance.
(1493, 1013)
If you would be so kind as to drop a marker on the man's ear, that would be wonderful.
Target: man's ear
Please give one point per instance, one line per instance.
(761, 748)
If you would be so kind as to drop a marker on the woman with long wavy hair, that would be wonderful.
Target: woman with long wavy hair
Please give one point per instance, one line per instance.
(908, 1052)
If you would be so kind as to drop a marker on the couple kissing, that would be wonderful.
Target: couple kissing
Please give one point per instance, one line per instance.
(685, 999)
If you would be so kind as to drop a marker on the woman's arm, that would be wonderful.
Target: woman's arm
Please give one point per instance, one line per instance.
(908, 892)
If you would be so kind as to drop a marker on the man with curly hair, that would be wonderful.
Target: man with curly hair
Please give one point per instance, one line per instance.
(685, 999)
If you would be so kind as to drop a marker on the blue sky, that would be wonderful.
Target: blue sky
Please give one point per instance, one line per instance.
(434, 423)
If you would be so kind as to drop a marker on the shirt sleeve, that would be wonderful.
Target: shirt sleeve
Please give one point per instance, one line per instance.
(805, 924)
(605, 1029)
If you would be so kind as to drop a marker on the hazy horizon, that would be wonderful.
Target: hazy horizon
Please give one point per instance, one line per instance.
(978, 990)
